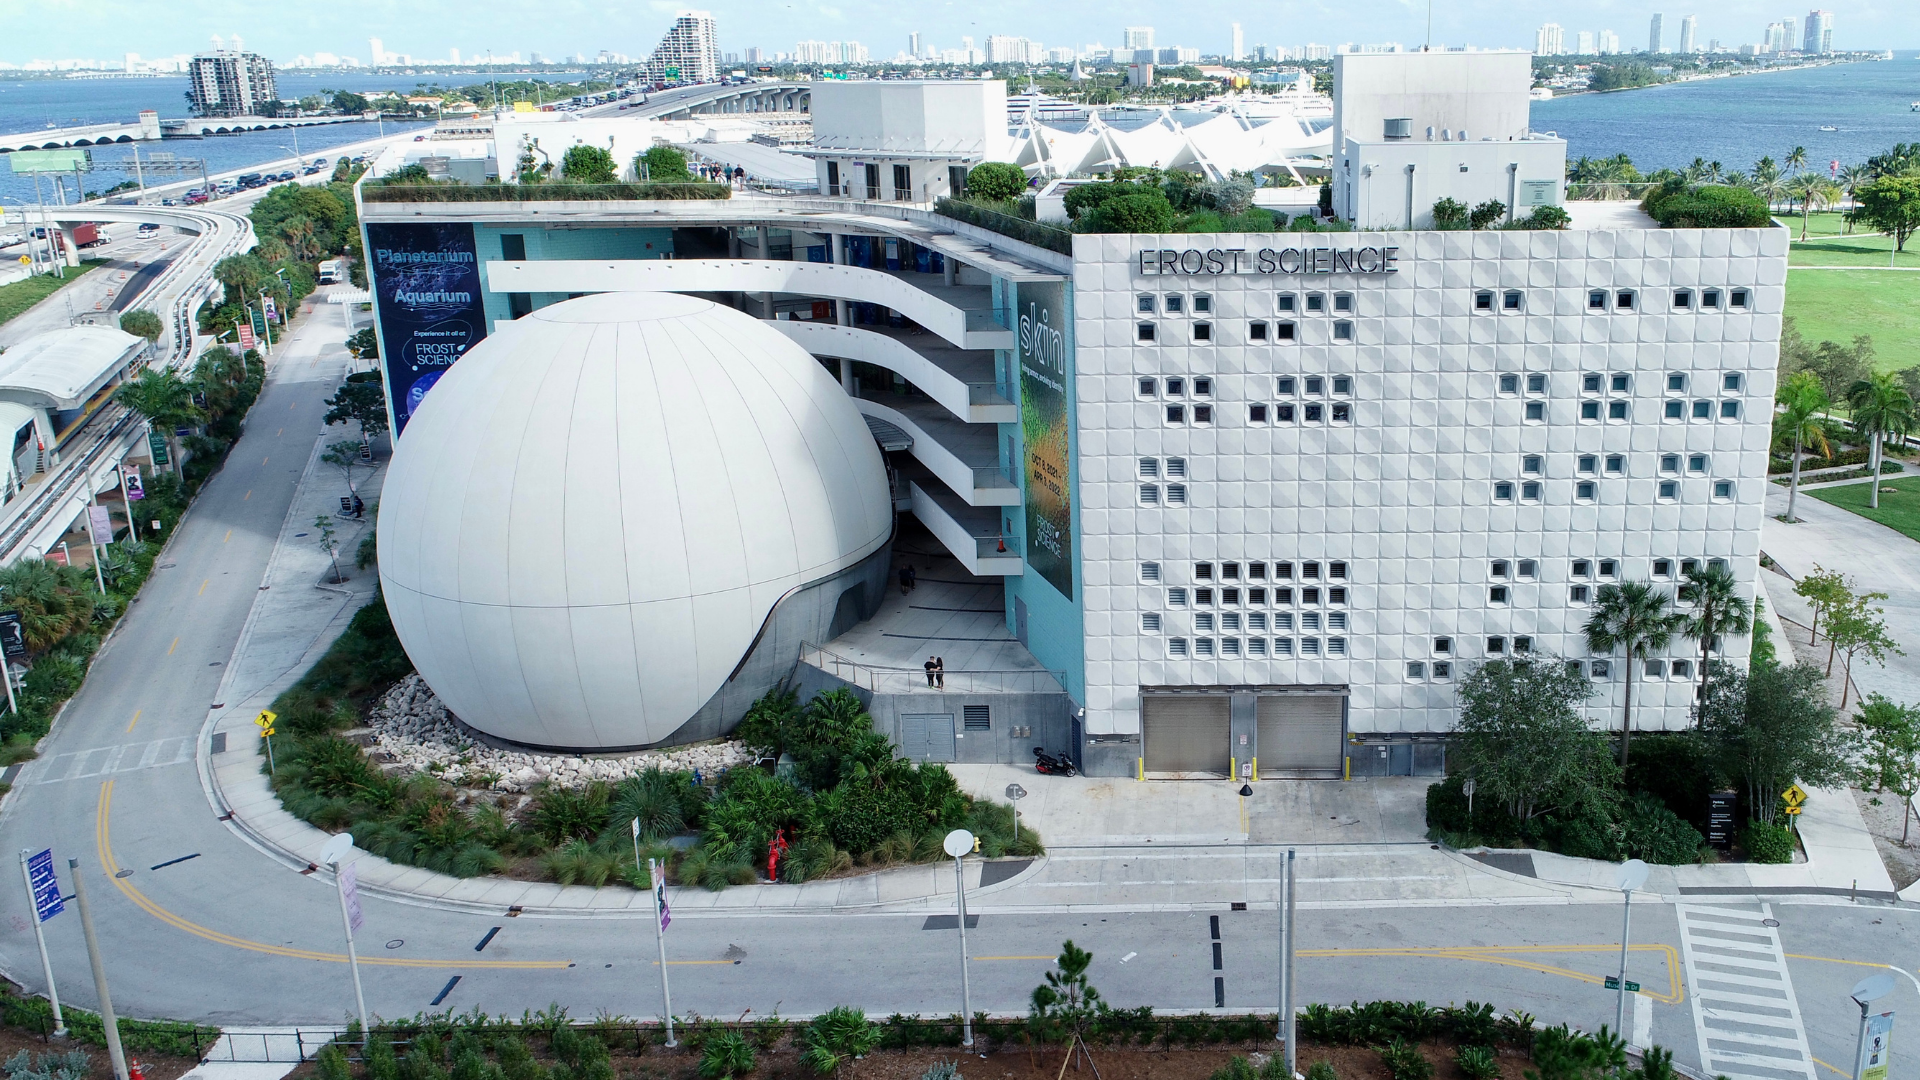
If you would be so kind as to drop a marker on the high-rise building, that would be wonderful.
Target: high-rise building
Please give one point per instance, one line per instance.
(1819, 32)
(230, 82)
(1549, 40)
(756, 55)
(1653, 34)
(1137, 37)
(913, 44)
(1583, 43)
(379, 52)
(1609, 43)
(1239, 44)
(1311, 51)
(1688, 26)
(690, 51)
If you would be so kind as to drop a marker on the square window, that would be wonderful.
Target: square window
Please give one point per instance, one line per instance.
(1729, 410)
(1676, 383)
(1177, 648)
(1316, 302)
(1149, 468)
(1336, 620)
(1256, 571)
(1442, 671)
(1203, 414)
(1203, 623)
(1285, 385)
(1483, 300)
(1621, 382)
(1316, 386)
(1663, 568)
(1257, 331)
(1536, 384)
(1310, 646)
(1176, 494)
(1202, 331)
(1256, 414)
(1530, 491)
(1342, 385)
(1282, 647)
(1703, 410)
(1145, 331)
(1590, 383)
(1257, 648)
(1176, 302)
(1616, 464)
(1531, 465)
(1316, 412)
(1582, 568)
(1283, 571)
(1577, 594)
(1675, 410)
(1343, 301)
(1256, 596)
(1149, 622)
(1723, 489)
(1284, 302)
(1710, 299)
(1683, 299)
(1310, 620)
(1654, 668)
(1203, 597)
(1283, 621)
(1336, 646)
(1597, 300)
(1150, 573)
(1176, 386)
(1497, 595)
(1443, 646)
(1716, 564)
(1176, 414)
(1337, 595)
(1584, 491)
(1144, 303)
(1283, 331)
(1522, 646)
(1230, 597)
(1730, 381)
(1697, 464)
(1669, 463)
(1600, 669)
(1342, 331)
(1609, 569)
(1230, 648)
(1528, 569)
(1342, 413)
(1149, 494)
(1681, 669)
(1203, 648)
(1284, 413)
(1496, 646)
(1510, 301)
(1230, 571)
(1202, 303)
(1503, 492)
(1587, 464)
(1337, 571)
(1202, 386)
(1623, 300)
(1616, 410)
(1309, 571)
(1310, 595)
(1536, 410)
(1509, 384)
(1257, 620)
(1499, 569)
(1589, 410)
(1149, 387)
(1669, 490)
(1416, 670)
(1177, 468)
(1176, 598)
(1689, 566)
(1737, 299)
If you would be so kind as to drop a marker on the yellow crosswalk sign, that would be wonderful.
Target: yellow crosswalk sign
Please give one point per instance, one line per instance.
(1794, 796)
(266, 718)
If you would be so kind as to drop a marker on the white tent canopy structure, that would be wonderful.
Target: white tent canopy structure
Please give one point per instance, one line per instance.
(1225, 143)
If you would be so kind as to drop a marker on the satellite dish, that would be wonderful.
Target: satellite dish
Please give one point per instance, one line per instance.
(1630, 875)
(1873, 987)
(336, 849)
(959, 842)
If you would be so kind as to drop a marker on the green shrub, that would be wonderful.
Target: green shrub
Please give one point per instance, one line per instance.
(725, 1056)
(331, 1064)
(1449, 215)
(996, 180)
(1710, 206)
(1405, 1061)
(1476, 1062)
(1086, 197)
(1656, 834)
(1146, 213)
(1322, 1070)
(1767, 843)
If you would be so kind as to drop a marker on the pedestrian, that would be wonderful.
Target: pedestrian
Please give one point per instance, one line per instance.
(930, 665)
(913, 578)
(906, 580)
(940, 672)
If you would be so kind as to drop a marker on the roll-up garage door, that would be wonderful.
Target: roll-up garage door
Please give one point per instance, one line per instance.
(1300, 735)
(1186, 733)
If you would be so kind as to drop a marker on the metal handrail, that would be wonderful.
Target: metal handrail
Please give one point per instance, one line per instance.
(902, 680)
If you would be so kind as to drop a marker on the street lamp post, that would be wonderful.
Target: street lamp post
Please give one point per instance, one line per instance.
(1629, 876)
(335, 850)
(110, 1026)
(957, 844)
(1865, 992)
(1288, 905)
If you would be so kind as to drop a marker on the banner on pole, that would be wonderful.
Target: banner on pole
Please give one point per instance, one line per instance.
(13, 636)
(273, 310)
(46, 885)
(1879, 1040)
(100, 524)
(259, 320)
(130, 483)
(660, 895)
(157, 446)
(350, 892)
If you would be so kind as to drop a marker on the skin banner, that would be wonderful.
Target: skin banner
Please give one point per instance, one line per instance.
(1045, 423)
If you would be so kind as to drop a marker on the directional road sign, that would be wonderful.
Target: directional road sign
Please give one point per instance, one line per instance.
(1613, 983)
(46, 885)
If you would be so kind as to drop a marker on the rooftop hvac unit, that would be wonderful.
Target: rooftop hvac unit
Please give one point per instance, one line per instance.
(1400, 128)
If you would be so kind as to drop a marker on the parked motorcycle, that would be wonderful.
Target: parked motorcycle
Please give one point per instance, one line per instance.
(1051, 765)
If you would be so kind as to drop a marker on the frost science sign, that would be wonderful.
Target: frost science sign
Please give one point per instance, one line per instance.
(426, 283)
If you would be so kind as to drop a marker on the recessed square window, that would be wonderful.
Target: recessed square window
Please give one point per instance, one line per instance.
(1442, 671)
(1616, 464)
(1531, 464)
(1283, 571)
(1609, 569)
(1337, 570)
(1597, 300)
(1703, 410)
(1145, 331)
(1623, 300)
(1343, 301)
(1669, 463)
(1342, 412)
(1528, 569)
(1203, 648)
(1202, 303)
(1257, 331)
(1176, 302)
(1737, 299)
(1309, 620)
(1176, 597)
(1669, 490)
(1621, 382)
(1316, 386)
(1176, 386)
(1286, 385)
(1203, 415)
(1282, 647)
(1600, 669)
(1149, 387)
(1577, 594)
(1149, 468)
(1709, 299)
(1587, 464)
(1257, 596)
(1202, 386)
(1336, 646)
(1681, 669)
(1697, 464)
(1683, 299)
(1230, 648)
(1284, 302)
(1150, 573)
(1309, 646)
(1283, 596)
(1257, 621)
(1723, 489)
(1149, 622)
(1530, 491)
(1203, 571)
(1316, 302)
(1536, 384)
(1256, 571)
(1730, 381)
(1316, 412)
(1443, 646)
(1496, 646)
(1229, 571)
(1584, 491)
(1663, 568)
(1337, 595)
(1589, 410)
(1591, 382)
(1536, 411)
(1689, 566)
(1616, 410)
(1674, 410)
(1654, 668)
(1203, 623)
(1310, 571)
(1583, 568)
(1256, 414)
(1510, 300)
(1483, 300)
(1177, 648)
(1499, 569)
(1176, 414)
(1203, 331)
(1676, 383)
(1177, 468)
(1729, 410)
(1149, 494)
(1145, 303)
(1497, 595)
(1203, 597)
(1502, 492)
(1522, 646)
(1417, 670)
(1283, 620)
(1283, 331)
(1342, 385)
(1509, 384)
(1342, 330)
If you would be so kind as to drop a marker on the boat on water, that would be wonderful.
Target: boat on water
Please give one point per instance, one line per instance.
(1828, 127)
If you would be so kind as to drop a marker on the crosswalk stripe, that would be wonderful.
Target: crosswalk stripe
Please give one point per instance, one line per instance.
(105, 760)
(1731, 966)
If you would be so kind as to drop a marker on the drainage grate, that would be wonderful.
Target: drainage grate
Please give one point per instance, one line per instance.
(949, 922)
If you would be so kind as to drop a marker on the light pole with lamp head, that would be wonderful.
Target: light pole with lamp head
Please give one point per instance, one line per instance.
(958, 843)
(346, 885)
(1873, 1037)
(1628, 876)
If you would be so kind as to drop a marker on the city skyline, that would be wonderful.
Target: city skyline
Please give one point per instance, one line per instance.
(505, 30)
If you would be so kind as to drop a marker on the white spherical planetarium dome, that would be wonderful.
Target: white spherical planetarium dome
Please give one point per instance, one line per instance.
(590, 518)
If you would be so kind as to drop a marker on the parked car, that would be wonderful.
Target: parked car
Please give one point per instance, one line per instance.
(10, 239)
(194, 198)
(149, 229)
(310, 170)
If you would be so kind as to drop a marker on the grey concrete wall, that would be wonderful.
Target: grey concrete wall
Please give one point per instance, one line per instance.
(1397, 755)
(1047, 716)
(1110, 755)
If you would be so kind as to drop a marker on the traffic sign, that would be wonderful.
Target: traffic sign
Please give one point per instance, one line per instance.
(46, 885)
(1613, 983)
(266, 718)
(1793, 811)
(1794, 795)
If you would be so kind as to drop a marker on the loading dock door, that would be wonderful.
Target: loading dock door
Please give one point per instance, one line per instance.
(1299, 735)
(1187, 733)
(927, 737)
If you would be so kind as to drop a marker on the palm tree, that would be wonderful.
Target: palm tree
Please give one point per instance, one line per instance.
(49, 608)
(1852, 177)
(1713, 173)
(1796, 158)
(1800, 421)
(164, 399)
(1766, 169)
(1768, 187)
(1717, 609)
(1632, 616)
(1695, 172)
(1812, 189)
(1882, 409)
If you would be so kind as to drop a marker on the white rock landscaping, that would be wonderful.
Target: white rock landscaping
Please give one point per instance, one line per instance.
(411, 727)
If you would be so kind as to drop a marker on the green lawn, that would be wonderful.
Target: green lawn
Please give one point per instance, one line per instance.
(1899, 509)
(1829, 244)
(1835, 305)
(21, 295)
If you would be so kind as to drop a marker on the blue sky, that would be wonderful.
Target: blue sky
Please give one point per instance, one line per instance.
(52, 29)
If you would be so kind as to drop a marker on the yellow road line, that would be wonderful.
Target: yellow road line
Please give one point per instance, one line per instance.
(170, 648)
(1837, 960)
(279, 433)
(247, 496)
(694, 963)
(135, 720)
(264, 460)
(227, 537)
(1499, 954)
(111, 867)
(1010, 958)
(1843, 1072)
(203, 589)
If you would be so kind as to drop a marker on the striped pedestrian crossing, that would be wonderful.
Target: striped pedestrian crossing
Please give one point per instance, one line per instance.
(1744, 1010)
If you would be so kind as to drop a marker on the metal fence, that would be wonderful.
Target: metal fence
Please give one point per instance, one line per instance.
(902, 680)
